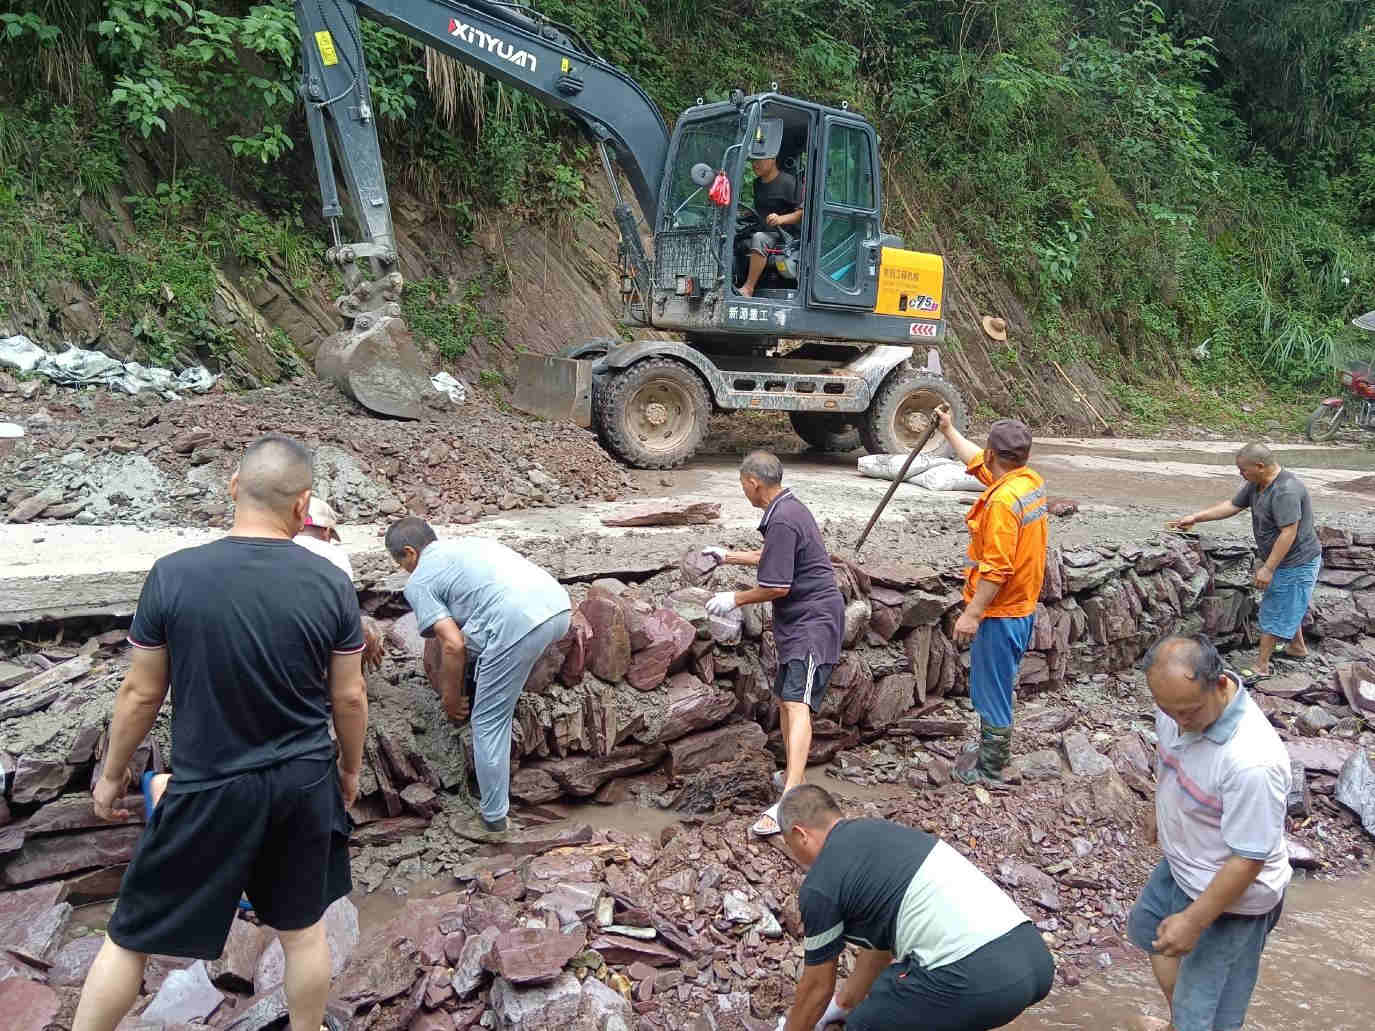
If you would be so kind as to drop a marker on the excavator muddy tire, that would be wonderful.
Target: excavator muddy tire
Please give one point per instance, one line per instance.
(826, 431)
(652, 415)
(897, 417)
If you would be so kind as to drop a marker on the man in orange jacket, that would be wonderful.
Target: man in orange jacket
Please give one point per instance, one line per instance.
(1004, 570)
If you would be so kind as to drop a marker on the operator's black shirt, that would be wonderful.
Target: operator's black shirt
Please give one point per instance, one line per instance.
(776, 198)
(249, 624)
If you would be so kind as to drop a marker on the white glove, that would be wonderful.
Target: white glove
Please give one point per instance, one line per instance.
(722, 603)
(717, 553)
(835, 1014)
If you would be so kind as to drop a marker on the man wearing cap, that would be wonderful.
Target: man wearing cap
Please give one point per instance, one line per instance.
(1005, 567)
(320, 534)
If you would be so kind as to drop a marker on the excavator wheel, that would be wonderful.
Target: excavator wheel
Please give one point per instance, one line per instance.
(826, 431)
(652, 415)
(897, 416)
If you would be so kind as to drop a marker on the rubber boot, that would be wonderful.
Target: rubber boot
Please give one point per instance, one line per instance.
(966, 769)
(986, 759)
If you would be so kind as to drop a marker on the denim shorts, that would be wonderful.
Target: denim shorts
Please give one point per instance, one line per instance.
(1217, 978)
(1285, 601)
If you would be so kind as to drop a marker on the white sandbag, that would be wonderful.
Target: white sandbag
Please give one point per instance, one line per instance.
(949, 476)
(887, 467)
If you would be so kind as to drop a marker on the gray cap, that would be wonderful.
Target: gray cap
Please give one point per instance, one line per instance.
(1009, 436)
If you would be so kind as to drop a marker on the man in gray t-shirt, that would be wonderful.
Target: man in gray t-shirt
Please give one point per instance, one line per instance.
(478, 597)
(1286, 543)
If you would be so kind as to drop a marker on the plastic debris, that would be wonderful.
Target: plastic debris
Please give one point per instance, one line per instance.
(446, 384)
(77, 367)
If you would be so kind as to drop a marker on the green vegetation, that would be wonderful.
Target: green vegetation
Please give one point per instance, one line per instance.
(1193, 179)
(450, 320)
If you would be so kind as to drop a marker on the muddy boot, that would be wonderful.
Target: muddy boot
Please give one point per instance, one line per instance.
(966, 768)
(985, 761)
(995, 752)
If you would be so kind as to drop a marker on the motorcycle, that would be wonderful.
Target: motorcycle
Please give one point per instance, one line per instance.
(1356, 406)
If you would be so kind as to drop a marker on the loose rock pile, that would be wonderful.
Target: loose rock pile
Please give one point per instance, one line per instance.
(698, 927)
(96, 457)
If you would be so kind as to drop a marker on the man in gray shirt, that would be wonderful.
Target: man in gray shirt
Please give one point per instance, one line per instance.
(1282, 521)
(477, 596)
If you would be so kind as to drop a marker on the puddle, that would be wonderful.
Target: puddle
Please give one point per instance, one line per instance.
(1318, 972)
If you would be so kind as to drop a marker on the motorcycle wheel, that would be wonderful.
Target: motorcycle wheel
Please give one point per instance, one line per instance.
(1324, 423)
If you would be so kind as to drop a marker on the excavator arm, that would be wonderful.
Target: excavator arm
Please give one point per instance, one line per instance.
(373, 360)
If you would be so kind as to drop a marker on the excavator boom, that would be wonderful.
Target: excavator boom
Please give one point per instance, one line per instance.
(373, 360)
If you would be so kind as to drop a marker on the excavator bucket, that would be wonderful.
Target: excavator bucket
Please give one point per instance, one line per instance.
(557, 389)
(377, 365)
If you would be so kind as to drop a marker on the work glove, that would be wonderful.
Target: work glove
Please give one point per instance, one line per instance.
(722, 603)
(835, 1014)
(719, 554)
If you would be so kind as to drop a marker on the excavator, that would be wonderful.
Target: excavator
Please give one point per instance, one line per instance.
(828, 335)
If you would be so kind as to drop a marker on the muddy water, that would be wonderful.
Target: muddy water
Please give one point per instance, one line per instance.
(1318, 973)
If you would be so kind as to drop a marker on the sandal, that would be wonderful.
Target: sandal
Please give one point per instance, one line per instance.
(1285, 655)
(767, 825)
(146, 786)
(1251, 677)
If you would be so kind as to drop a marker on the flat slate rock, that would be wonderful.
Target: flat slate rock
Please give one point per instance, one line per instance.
(1356, 789)
(1320, 755)
(533, 955)
(185, 996)
(1084, 759)
(666, 513)
(73, 961)
(33, 921)
(26, 1005)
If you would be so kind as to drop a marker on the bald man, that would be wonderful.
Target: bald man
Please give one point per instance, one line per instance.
(1222, 781)
(1286, 543)
(264, 642)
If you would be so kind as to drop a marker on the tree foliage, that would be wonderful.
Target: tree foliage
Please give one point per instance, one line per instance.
(1196, 175)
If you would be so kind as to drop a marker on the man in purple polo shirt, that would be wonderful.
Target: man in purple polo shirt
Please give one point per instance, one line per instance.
(796, 576)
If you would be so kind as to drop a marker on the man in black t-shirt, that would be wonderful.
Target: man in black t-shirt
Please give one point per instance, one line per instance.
(1286, 543)
(776, 202)
(941, 947)
(263, 640)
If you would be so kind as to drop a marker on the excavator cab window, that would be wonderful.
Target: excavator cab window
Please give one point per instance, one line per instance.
(703, 143)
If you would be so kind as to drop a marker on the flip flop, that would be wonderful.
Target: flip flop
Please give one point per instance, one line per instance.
(1285, 655)
(767, 825)
(146, 786)
(1250, 677)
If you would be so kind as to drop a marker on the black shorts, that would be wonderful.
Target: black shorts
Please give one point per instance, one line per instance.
(986, 989)
(279, 834)
(802, 680)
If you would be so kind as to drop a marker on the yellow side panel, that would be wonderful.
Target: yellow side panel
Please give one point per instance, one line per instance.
(325, 43)
(910, 284)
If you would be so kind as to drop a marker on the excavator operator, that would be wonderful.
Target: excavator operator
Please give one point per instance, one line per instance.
(776, 199)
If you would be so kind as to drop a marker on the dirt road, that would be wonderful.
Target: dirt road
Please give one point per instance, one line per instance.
(1126, 490)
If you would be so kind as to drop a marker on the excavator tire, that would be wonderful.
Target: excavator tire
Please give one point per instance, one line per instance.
(897, 417)
(652, 415)
(826, 431)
